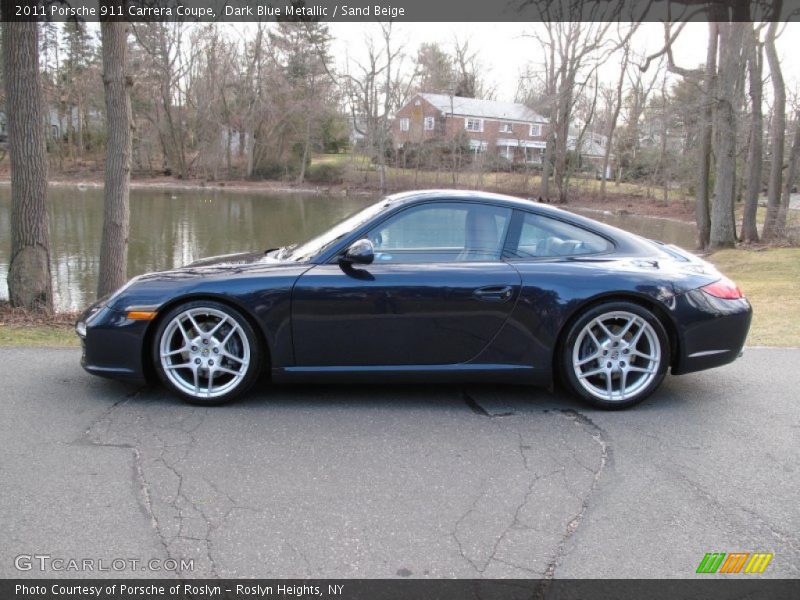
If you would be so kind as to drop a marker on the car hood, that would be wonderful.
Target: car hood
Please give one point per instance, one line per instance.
(225, 264)
(238, 258)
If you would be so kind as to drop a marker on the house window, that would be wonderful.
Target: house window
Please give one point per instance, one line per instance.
(533, 155)
(506, 128)
(536, 130)
(478, 146)
(473, 124)
(430, 122)
(404, 124)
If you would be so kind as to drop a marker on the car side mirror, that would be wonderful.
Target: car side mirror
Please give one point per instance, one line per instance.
(360, 252)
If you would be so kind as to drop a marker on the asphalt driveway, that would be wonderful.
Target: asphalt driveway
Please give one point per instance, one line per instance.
(399, 481)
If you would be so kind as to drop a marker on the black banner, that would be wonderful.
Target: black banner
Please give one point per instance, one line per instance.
(398, 10)
(399, 589)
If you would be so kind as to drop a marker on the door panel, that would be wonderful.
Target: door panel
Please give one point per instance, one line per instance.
(400, 314)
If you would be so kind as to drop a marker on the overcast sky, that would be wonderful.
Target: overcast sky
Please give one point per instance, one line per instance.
(505, 48)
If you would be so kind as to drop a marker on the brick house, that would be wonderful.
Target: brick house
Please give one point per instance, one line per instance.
(508, 129)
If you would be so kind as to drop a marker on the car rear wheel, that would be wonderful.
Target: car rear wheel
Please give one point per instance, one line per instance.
(206, 352)
(615, 355)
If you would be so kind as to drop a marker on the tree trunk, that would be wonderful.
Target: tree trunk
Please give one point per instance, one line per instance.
(777, 135)
(663, 161)
(119, 122)
(79, 115)
(755, 150)
(562, 139)
(723, 228)
(544, 186)
(612, 123)
(791, 173)
(702, 212)
(228, 160)
(301, 177)
(29, 282)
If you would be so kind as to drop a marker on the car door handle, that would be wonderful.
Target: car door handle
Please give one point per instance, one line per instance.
(494, 293)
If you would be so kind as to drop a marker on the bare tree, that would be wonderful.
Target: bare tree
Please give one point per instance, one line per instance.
(628, 143)
(773, 228)
(375, 91)
(714, 13)
(723, 230)
(29, 282)
(574, 50)
(615, 106)
(755, 142)
(119, 123)
(78, 82)
(467, 81)
(165, 63)
(301, 51)
(791, 171)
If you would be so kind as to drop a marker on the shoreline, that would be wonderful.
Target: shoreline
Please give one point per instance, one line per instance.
(614, 204)
(239, 186)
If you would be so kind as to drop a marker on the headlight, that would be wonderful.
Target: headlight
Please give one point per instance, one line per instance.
(87, 317)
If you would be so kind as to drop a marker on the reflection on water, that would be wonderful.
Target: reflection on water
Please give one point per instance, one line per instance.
(169, 229)
(665, 230)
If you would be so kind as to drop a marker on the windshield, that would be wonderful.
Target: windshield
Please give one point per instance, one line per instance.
(315, 246)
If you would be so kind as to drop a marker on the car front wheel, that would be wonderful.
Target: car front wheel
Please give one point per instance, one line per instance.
(615, 355)
(206, 352)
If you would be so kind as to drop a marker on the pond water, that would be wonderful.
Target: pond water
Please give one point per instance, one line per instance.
(671, 231)
(172, 228)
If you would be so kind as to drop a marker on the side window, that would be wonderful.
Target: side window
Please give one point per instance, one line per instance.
(543, 237)
(442, 232)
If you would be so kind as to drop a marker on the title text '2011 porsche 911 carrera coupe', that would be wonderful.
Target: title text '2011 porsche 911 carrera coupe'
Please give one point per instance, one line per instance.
(428, 286)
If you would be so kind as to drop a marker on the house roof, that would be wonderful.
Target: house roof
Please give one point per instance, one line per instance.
(487, 109)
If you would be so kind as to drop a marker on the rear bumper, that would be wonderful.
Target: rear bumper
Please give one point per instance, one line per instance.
(113, 346)
(712, 331)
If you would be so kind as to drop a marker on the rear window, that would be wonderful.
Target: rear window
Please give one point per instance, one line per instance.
(543, 237)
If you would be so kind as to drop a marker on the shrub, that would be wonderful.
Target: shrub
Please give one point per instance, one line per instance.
(270, 168)
(325, 173)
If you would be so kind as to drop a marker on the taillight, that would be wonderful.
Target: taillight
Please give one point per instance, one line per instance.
(724, 288)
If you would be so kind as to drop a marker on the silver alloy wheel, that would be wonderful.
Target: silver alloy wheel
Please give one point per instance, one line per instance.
(616, 356)
(204, 352)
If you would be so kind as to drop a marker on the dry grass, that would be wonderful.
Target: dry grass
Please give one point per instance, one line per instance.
(361, 173)
(770, 279)
(19, 327)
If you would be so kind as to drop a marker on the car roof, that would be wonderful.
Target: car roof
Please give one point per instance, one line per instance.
(449, 194)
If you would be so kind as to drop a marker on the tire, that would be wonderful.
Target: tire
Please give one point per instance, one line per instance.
(206, 352)
(614, 355)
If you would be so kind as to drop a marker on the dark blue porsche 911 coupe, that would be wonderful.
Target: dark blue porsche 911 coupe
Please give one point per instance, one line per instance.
(428, 286)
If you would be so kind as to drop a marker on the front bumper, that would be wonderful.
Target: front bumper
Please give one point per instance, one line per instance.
(113, 344)
(712, 330)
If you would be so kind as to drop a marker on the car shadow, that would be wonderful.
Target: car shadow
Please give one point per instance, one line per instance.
(485, 400)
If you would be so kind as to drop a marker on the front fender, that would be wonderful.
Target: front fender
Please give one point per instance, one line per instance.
(262, 296)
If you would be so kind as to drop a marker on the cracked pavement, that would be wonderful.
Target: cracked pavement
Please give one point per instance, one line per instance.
(400, 481)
